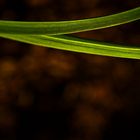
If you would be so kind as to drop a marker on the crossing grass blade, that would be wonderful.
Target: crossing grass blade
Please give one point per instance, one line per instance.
(66, 27)
(78, 45)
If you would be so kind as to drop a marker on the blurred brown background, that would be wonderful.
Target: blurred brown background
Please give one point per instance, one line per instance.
(48, 94)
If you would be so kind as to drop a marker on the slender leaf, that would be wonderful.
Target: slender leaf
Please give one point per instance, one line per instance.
(78, 45)
(66, 27)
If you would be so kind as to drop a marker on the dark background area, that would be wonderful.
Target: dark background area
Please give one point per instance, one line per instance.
(48, 94)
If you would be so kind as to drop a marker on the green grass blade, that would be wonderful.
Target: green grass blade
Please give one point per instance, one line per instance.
(66, 27)
(78, 45)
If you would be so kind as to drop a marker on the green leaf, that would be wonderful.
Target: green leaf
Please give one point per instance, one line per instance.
(78, 45)
(39, 33)
(66, 27)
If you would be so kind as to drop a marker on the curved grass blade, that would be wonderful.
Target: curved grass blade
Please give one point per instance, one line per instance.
(66, 27)
(78, 45)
